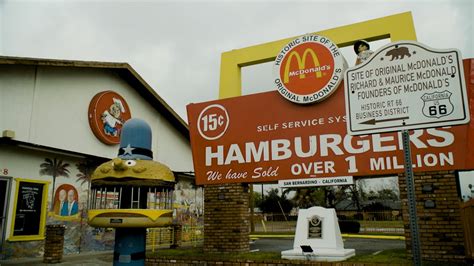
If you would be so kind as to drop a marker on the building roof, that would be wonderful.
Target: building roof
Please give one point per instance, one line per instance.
(124, 70)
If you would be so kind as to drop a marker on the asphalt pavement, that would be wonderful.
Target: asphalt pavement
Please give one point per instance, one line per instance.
(363, 246)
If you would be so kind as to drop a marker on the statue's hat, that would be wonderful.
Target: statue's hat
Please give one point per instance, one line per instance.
(135, 140)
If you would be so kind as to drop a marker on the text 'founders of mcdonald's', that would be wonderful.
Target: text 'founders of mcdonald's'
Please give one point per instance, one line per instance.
(308, 69)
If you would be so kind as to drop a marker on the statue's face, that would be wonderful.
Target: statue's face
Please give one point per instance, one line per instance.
(362, 48)
(130, 170)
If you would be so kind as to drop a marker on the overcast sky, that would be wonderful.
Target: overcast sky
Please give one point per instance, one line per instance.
(176, 45)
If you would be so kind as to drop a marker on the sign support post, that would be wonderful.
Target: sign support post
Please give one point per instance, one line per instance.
(415, 237)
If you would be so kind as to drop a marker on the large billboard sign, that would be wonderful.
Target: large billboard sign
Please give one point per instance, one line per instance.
(406, 85)
(264, 138)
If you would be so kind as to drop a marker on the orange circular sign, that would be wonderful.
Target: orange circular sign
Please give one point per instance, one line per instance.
(213, 122)
(309, 69)
(107, 113)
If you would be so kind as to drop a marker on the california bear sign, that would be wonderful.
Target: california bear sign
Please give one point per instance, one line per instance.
(406, 85)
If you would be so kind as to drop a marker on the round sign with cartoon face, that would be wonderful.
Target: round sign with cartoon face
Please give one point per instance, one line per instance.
(309, 69)
(107, 113)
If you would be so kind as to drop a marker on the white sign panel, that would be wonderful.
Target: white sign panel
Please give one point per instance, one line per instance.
(317, 182)
(406, 85)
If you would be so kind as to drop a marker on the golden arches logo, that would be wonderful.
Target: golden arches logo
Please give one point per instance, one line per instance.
(301, 65)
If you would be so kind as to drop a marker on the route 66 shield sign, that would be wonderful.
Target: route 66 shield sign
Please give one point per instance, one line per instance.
(437, 104)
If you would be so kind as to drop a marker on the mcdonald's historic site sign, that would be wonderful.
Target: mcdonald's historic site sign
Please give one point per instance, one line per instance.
(265, 138)
(406, 85)
(308, 69)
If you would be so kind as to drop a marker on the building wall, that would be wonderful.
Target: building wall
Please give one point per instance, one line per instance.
(48, 106)
(24, 163)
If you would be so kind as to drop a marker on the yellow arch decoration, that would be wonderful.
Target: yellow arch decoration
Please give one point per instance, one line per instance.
(396, 27)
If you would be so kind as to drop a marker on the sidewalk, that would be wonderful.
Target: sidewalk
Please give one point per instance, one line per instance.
(87, 258)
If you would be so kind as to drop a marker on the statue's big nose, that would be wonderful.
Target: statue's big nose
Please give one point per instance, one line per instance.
(119, 164)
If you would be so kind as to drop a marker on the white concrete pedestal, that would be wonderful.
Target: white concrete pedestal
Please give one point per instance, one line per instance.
(317, 227)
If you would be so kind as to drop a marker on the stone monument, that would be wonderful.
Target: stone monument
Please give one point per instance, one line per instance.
(318, 237)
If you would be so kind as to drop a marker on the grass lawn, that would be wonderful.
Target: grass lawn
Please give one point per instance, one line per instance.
(392, 256)
(396, 256)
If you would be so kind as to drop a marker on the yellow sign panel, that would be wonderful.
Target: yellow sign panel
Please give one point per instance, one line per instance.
(396, 27)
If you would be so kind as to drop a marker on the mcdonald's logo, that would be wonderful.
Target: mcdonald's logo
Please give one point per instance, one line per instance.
(301, 65)
(308, 69)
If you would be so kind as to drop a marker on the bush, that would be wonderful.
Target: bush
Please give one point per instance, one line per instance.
(349, 227)
(358, 216)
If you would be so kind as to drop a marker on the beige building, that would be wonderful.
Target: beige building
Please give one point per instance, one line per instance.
(52, 136)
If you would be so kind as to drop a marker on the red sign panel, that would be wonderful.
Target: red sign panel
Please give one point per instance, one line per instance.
(263, 138)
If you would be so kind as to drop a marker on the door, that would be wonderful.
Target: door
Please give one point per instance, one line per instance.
(4, 196)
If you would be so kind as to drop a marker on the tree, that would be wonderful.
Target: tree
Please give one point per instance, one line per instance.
(308, 197)
(274, 203)
(387, 194)
(257, 199)
(54, 168)
(85, 168)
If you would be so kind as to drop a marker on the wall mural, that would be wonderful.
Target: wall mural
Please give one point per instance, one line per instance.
(188, 204)
(66, 201)
(54, 168)
(85, 168)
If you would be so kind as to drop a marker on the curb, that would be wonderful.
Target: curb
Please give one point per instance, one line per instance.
(343, 235)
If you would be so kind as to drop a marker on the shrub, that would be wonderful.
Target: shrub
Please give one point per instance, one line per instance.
(349, 227)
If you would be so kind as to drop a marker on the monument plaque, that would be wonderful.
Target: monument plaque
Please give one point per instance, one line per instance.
(315, 227)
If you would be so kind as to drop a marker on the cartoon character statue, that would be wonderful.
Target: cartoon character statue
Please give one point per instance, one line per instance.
(362, 49)
(112, 117)
(131, 193)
